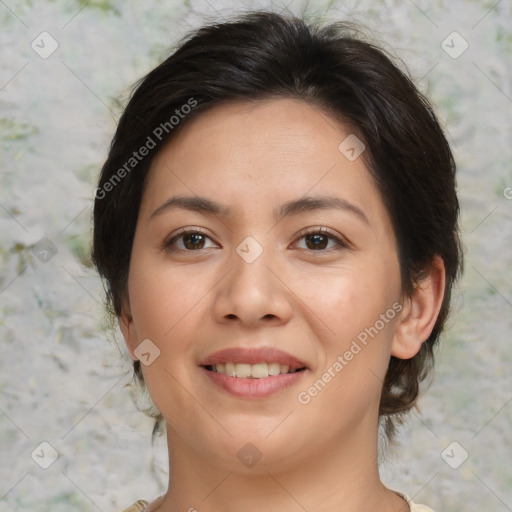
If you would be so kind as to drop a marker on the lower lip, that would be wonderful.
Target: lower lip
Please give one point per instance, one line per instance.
(254, 388)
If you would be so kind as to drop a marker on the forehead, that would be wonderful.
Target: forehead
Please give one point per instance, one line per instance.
(288, 130)
(255, 155)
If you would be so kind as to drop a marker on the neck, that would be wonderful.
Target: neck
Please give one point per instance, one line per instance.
(344, 477)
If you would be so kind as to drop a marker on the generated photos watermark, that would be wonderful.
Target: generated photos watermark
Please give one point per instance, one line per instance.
(151, 142)
(342, 360)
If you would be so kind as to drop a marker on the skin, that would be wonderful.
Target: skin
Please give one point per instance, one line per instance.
(309, 302)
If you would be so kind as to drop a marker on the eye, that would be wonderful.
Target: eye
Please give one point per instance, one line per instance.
(191, 240)
(317, 240)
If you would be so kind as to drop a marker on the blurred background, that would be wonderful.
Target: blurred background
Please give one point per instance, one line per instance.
(66, 69)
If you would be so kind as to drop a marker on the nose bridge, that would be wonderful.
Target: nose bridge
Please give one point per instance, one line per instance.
(251, 276)
(251, 291)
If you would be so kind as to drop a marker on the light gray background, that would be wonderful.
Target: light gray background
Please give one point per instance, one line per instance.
(62, 378)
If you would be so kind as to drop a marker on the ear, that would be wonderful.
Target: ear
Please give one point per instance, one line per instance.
(420, 311)
(127, 327)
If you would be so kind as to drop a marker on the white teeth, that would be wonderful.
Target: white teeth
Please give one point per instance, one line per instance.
(256, 371)
(259, 371)
(230, 369)
(274, 369)
(243, 370)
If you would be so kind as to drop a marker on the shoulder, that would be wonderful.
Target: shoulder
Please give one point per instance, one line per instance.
(415, 507)
(420, 508)
(139, 506)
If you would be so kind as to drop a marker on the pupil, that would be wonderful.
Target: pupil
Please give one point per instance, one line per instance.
(196, 239)
(316, 238)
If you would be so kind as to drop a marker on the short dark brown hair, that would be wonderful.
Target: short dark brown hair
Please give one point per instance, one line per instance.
(264, 55)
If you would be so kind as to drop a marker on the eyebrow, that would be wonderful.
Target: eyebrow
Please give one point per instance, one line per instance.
(206, 206)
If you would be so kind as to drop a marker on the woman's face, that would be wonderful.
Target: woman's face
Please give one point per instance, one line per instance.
(291, 261)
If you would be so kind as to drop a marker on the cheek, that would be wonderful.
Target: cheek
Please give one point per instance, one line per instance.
(357, 310)
(165, 304)
(163, 298)
(352, 299)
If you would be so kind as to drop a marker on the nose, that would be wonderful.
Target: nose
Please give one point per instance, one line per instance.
(253, 293)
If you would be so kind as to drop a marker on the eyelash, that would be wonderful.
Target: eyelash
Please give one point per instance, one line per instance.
(340, 244)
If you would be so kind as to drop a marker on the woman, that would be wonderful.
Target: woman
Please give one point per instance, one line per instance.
(276, 223)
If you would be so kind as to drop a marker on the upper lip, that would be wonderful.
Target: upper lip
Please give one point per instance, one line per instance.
(253, 356)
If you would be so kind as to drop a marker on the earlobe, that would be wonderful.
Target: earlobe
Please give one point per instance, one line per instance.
(420, 312)
(125, 320)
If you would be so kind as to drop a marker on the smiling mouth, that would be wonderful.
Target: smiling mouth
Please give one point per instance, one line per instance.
(252, 371)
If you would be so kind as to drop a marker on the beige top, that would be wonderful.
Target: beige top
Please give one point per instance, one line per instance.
(140, 506)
